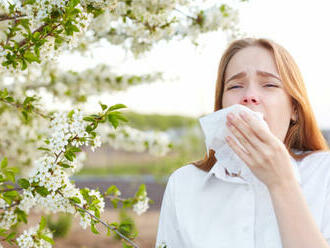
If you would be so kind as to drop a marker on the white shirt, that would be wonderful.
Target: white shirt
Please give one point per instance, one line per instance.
(211, 209)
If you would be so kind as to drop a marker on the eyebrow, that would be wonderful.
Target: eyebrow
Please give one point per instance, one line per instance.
(260, 73)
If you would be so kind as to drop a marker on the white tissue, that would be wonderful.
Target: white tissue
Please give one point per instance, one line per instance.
(215, 130)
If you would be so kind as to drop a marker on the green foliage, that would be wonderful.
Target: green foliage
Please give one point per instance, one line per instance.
(113, 191)
(24, 183)
(158, 122)
(126, 226)
(7, 173)
(8, 236)
(43, 191)
(41, 231)
(60, 227)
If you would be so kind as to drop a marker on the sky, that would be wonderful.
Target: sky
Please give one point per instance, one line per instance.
(299, 26)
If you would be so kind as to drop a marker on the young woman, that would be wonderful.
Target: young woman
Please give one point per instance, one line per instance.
(203, 206)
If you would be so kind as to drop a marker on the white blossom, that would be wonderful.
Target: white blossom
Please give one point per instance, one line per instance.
(8, 218)
(142, 205)
(97, 143)
(85, 220)
(28, 239)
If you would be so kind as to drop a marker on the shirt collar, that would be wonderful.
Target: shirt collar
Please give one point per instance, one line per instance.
(218, 171)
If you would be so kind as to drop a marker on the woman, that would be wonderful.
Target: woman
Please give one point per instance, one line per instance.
(204, 209)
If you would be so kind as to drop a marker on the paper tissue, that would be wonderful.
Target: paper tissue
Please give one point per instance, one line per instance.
(215, 130)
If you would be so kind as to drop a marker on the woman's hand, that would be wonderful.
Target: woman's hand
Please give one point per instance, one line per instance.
(265, 155)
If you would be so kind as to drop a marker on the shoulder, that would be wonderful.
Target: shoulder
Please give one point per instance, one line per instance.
(186, 171)
(318, 156)
(315, 165)
(186, 175)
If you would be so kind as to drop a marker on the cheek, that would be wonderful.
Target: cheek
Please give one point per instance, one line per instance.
(230, 99)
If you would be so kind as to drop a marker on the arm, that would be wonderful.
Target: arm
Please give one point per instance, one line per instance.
(296, 223)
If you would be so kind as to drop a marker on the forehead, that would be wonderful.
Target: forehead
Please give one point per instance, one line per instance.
(251, 59)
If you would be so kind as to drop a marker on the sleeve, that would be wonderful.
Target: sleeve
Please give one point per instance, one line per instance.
(168, 234)
(325, 226)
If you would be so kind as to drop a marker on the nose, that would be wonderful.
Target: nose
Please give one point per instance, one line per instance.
(252, 99)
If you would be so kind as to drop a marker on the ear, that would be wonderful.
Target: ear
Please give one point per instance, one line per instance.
(294, 113)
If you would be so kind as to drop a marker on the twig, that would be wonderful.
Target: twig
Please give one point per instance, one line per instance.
(184, 14)
(18, 105)
(7, 190)
(6, 17)
(105, 224)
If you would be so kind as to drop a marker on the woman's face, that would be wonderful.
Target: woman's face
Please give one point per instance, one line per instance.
(252, 79)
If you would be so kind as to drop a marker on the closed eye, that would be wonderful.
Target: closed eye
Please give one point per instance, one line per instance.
(267, 85)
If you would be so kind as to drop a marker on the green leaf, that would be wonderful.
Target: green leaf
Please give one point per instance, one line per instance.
(88, 118)
(112, 190)
(26, 2)
(108, 231)
(68, 156)
(24, 64)
(93, 229)
(84, 193)
(4, 162)
(46, 238)
(75, 199)
(64, 165)
(74, 149)
(9, 99)
(4, 93)
(42, 191)
(30, 57)
(114, 122)
(122, 118)
(2, 231)
(21, 215)
(70, 114)
(25, 115)
(11, 236)
(141, 191)
(11, 194)
(103, 106)
(24, 183)
(117, 106)
(73, 3)
(74, 28)
(114, 202)
(89, 129)
(28, 100)
(42, 224)
(36, 35)
(10, 175)
(44, 149)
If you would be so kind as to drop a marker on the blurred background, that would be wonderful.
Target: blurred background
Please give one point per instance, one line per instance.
(172, 106)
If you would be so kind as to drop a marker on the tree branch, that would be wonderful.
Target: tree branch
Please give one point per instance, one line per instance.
(105, 224)
(18, 106)
(6, 17)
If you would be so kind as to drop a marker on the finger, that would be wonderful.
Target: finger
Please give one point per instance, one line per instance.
(242, 138)
(256, 125)
(246, 131)
(243, 155)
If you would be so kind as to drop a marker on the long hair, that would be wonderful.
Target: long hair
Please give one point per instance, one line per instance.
(303, 134)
